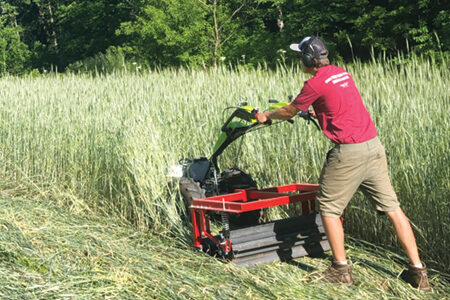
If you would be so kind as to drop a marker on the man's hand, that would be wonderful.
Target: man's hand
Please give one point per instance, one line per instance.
(262, 118)
(313, 114)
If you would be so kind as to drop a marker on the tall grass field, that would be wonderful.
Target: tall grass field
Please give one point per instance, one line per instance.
(99, 146)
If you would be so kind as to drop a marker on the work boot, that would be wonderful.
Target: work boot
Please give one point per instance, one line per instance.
(336, 273)
(417, 277)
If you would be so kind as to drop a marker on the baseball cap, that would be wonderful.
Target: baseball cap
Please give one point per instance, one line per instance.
(311, 45)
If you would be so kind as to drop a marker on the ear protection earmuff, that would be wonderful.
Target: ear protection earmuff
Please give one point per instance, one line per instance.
(307, 55)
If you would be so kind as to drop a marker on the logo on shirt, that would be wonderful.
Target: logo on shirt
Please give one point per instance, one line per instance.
(338, 78)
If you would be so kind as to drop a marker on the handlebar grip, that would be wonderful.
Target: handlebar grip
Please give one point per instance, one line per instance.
(304, 114)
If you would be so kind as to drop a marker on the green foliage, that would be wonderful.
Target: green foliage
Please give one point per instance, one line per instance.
(14, 54)
(85, 28)
(169, 32)
(355, 28)
(212, 32)
(254, 36)
(60, 32)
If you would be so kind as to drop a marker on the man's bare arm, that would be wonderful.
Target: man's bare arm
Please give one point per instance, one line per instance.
(283, 113)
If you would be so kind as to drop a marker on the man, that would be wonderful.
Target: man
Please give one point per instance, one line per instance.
(357, 160)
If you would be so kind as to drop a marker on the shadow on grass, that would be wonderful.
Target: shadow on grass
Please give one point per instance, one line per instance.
(308, 268)
(302, 266)
(375, 266)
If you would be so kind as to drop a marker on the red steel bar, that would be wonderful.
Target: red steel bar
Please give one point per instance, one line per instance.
(247, 200)
(196, 229)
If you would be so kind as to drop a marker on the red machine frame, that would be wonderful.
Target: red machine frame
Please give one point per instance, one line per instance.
(244, 201)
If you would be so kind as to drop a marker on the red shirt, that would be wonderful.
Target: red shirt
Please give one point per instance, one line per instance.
(338, 106)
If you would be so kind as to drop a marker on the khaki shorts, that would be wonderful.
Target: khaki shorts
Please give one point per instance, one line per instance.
(352, 166)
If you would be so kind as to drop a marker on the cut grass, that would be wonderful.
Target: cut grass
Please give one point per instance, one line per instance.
(48, 253)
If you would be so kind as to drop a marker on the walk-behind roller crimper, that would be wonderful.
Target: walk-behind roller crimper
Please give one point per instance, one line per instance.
(232, 197)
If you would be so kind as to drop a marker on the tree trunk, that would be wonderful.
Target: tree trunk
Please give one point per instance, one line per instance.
(15, 26)
(48, 25)
(52, 27)
(218, 39)
(216, 34)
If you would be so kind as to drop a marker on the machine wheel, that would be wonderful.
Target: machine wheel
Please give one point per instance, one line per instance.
(229, 180)
(190, 190)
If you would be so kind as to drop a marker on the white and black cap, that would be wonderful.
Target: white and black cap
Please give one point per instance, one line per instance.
(313, 46)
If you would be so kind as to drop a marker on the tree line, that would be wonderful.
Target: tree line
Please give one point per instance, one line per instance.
(55, 34)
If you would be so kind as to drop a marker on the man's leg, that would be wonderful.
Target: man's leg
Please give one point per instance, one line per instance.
(339, 180)
(405, 234)
(335, 235)
(416, 274)
(339, 271)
